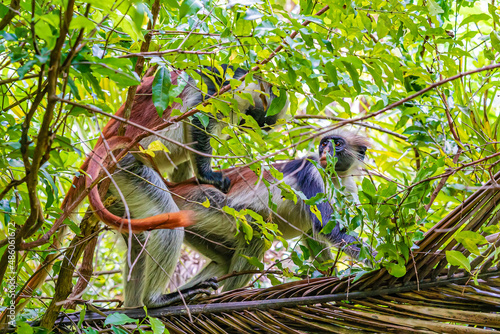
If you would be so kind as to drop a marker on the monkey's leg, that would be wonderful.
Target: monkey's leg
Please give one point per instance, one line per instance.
(165, 264)
(203, 168)
(220, 259)
(256, 248)
(133, 281)
(163, 249)
(145, 194)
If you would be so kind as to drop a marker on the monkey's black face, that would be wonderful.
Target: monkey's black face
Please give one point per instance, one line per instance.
(345, 154)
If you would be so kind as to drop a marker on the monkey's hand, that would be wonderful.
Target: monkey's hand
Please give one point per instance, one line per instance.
(216, 179)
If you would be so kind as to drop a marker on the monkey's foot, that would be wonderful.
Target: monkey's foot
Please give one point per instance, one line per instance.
(216, 179)
(187, 294)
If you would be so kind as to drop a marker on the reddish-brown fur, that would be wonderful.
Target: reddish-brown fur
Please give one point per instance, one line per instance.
(241, 178)
(143, 113)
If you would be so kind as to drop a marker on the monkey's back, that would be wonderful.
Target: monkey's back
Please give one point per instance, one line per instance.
(247, 192)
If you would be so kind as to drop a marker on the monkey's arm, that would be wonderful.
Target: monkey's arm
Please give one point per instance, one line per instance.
(309, 181)
(202, 164)
(337, 237)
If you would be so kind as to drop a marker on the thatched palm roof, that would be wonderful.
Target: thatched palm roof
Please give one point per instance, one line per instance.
(433, 297)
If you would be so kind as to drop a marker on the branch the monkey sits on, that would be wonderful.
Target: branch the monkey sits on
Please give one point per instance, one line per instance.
(214, 233)
(139, 182)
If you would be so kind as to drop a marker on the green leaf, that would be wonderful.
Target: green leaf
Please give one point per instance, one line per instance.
(189, 7)
(164, 91)
(23, 328)
(456, 258)
(176, 89)
(434, 8)
(157, 326)
(396, 269)
(368, 187)
(203, 118)
(277, 104)
(252, 14)
(475, 18)
(82, 317)
(81, 22)
(296, 259)
(314, 209)
(492, 228)
(331, 72)
(470, 240)
(426, 172)
(472, 236)
(119, 319)
(384, 24)
(292, 76)
(353, 73)
(273, 279)
(21, 71)
(316, 199)
(161, 90)
(73, 226)
(495, 40)
(305, 251)
(247, 229)
(3, 10)
(254, 261)
(329, 227)
(118, 330)
(492, 9)
(117, 71)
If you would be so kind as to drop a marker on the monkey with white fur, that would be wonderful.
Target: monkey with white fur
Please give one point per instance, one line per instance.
(214, 233)
(138, 184)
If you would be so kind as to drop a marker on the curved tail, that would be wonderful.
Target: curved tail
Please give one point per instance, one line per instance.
(162, 221)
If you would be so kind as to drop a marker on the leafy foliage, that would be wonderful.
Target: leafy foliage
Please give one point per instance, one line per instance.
(428, 154)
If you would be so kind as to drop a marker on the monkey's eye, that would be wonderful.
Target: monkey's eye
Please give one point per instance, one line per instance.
(337, 144)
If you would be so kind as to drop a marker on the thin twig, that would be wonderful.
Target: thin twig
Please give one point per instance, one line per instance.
(442, 182)
(147, 130)
(366, 125)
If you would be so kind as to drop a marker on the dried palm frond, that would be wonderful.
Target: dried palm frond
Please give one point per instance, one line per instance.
(433, 297)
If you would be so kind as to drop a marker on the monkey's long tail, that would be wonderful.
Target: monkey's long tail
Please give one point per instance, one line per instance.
(162, 221)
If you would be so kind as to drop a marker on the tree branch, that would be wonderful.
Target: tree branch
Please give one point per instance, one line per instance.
(13, 10)
(139, 67)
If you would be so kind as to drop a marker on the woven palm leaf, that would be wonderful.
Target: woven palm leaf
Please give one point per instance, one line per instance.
(433, 297)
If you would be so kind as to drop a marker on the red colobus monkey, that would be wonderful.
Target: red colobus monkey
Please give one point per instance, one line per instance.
(177, 162)
(139, 182)
(214, 233)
